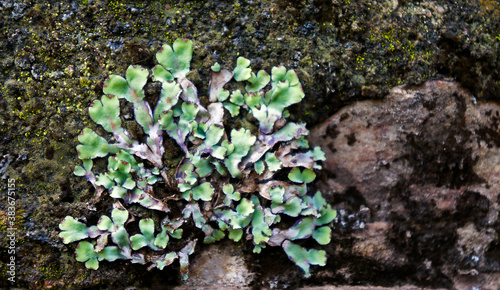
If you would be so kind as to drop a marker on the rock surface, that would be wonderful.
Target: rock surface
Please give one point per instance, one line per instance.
(220, 266)
(425, 162)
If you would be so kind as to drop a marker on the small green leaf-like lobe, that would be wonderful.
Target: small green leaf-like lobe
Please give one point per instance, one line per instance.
(189, 112)
(304, 258)
(119, 172)
(259, 167)
(322, 235)
(184, 258)
(222, 95)
(305, 227)
(242, 140)
(119, 216)
(93, 145)
(111, 254)
(213, 135)
(129, 88)
(86, 170)
(191, 178)
(237, 98)
(327, 216)
(286, 91)
(117, 86)
(147, 227)
(203, 191)
(169, 97)
(106, 113)
(246, 207)
(318, 154)
(235, 235)
(136, 76)
(258, 82)
(161, 240)
(143, 115)
(104, 223)
(292, 207)
(272, 161)
(212, 235)
(85, 253)
(260, 229)
(305, 176)
(253, 100)
(105, 181)
(129, 184)
(160, 74)
(183, 48)
(278, 73)
(228, 190)
(233, 109)
(203, 166)
(277, 194)
(176, 59)
(147, 238)
(72, 230)
(215, 67)
(120, 237)
(166, 260)
(79, 171)
(183, 187)
(242, 72)
(284, 95)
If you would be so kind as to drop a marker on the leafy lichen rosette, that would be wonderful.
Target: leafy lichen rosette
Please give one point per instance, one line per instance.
(241, 180)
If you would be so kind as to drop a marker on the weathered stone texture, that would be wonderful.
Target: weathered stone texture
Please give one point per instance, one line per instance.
(426, 162)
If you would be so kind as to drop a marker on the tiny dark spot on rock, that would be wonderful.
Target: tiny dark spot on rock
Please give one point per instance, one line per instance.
(49, 153)
(344, 117)
(331, 131)
(429, 105)
(352, 198)
(65, 186)
(351, 139)
(472, 206)
(332, 148)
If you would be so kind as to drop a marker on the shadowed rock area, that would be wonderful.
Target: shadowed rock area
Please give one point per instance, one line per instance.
(424, 164)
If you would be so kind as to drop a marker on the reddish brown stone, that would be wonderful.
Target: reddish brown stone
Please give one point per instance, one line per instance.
(426, 162)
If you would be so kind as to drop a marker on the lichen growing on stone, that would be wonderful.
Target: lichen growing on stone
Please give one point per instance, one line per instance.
(230, 182)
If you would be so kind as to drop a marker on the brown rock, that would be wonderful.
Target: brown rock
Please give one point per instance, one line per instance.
(426, 162)
(220, 265)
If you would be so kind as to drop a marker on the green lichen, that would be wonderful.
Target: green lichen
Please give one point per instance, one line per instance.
(229, 182)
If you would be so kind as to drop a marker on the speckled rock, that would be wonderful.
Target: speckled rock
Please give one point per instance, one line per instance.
(425, 161)
(220, 265)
